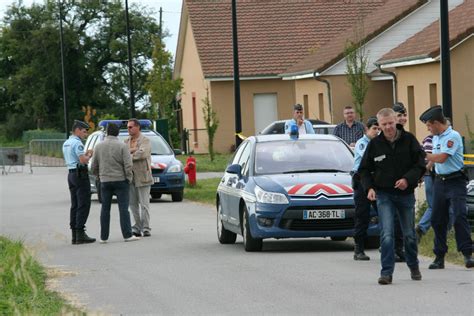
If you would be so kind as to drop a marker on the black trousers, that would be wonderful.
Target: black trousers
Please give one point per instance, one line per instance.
(450, 193)
(80, 191)
(362, 212)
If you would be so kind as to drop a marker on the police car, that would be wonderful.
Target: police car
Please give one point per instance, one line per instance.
(282, 187)
(167, 171)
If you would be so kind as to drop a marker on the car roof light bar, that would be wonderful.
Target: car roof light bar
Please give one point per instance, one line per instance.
(145, 124)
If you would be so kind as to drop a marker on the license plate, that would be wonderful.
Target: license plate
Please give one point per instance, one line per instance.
(157, 179)
(324, 214)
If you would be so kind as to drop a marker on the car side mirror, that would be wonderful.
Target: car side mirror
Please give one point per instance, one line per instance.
(234, 169)
(177, 152)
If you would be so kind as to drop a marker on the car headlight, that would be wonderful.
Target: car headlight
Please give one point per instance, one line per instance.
(270, 197)
(175, 168)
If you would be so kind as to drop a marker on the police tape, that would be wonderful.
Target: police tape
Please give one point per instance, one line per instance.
(468, 162)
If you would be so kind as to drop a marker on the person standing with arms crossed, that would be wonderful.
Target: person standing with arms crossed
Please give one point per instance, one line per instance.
(78, 182)
(112, 163)
(391, 167)
(449, 189)
(140, 149)
(362, 204)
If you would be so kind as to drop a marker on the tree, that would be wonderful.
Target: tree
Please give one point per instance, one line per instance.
(211, 121)
(356, 75)
(356, 68)
(164, 89)
(95, 60)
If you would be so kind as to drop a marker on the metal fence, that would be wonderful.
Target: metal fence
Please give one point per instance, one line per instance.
(46, 153)
(11, 158)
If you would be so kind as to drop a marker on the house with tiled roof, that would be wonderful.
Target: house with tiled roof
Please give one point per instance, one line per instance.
(283, 47)
(416, 64)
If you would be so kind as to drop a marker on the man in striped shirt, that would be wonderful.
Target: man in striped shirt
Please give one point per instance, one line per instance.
(349, 130)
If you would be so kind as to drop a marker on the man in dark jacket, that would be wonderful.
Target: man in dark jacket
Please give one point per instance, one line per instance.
(392, 165)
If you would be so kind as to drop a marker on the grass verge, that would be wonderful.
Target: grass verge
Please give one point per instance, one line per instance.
(22, 284)
(204, 163)
(204, 191)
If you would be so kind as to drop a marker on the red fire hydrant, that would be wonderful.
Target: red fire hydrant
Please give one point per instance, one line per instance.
(190, 170)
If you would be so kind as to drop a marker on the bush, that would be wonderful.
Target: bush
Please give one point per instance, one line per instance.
(42, 134)
(15, 125)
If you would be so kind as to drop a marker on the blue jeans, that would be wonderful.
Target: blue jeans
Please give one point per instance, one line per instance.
(425, 221)
(388, 205)
(120, 189)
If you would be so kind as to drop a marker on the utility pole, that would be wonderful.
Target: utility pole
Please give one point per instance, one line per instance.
(130, 72)
(66, 116)
(445, 60)
(238, 121)
(160, 61)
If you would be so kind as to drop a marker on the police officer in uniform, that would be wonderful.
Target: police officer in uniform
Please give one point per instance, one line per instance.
(449, 188)
(78, 181)
(362, 204)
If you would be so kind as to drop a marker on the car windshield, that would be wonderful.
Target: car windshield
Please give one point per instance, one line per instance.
(309, 155)
(158, 145)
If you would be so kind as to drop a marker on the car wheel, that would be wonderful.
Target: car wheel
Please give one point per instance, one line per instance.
(177, 196)
(338, 238)
(99, 194)
(156, 195)
(250, 243)
(225, 236)
(372, 242)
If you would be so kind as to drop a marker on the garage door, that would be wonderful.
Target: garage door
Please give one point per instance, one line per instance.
(265, 110)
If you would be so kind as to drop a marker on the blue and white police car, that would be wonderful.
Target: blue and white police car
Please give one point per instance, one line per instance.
(277, 186)
(167, 171)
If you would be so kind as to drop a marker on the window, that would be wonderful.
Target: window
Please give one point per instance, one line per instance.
(433, 95)
(411, 109)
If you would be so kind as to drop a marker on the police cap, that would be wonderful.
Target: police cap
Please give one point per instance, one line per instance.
(79, 124)
(399, 107)
(372, 121)
(433, 113)
(298, 107)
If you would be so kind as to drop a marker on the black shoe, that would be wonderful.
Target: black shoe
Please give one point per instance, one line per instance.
(385, 279)
(468, 261)
(82, 238)
(438, 263)
(399, 256)
(415, 273)
(146, 233)
(137, 234)
(359, 253)
(419, 234)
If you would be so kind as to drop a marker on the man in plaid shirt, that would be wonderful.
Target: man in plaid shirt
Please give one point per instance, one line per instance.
(350, 130)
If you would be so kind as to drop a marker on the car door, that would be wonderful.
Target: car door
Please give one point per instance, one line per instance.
(226, 190)
(237, 185)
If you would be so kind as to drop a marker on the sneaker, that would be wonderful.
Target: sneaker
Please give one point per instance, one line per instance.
(132, 238)
(146, 233)
(103, 241)
(385, 279)
(415, 273)
(137, 234)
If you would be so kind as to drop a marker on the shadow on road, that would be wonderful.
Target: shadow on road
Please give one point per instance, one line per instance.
(306, 245)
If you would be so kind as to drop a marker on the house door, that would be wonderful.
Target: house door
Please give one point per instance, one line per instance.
(264, 110)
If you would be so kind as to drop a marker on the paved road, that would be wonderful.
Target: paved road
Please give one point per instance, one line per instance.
(182, 270)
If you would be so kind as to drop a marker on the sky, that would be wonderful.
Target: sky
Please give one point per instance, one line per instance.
(171, 15)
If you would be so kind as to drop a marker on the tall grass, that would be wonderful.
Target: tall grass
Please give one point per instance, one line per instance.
(22, 284)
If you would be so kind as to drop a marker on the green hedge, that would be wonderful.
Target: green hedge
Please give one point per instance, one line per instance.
(42, 134)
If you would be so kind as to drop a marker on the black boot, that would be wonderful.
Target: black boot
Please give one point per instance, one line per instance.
(359, 252)
(468, 261)
(73, 240)
(82, 238)
(438, 263)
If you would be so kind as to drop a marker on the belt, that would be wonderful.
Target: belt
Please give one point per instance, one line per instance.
(72, 170)
(450, 176)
